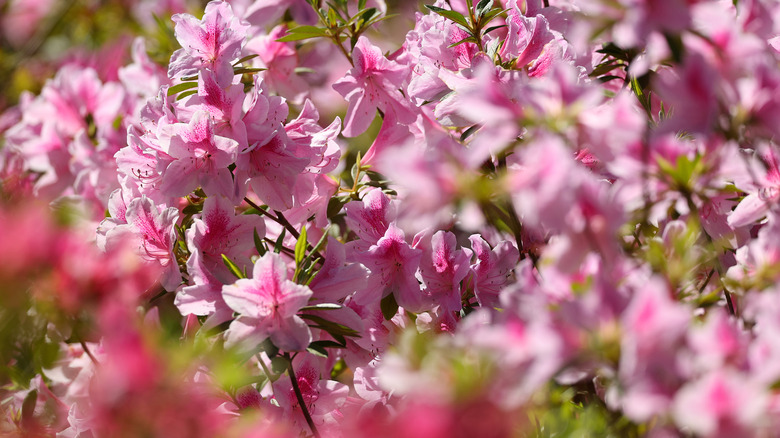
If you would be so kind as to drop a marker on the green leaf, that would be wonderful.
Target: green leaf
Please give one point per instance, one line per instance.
(604, 68)
(484, 6)
(336, 204)
(181, 87)
(323, 306)
(279, 364)
(232, 267)
(28, 406)
(259, 244)
(304, 32)
(389, 307)
(317, 350)
(270, 349)
(193, 209)
(301, 70)
(467, 133)
(333, 18)
(489, 16)
(468, 39)
(242, 70)
(300, 247)
(361, 4)
(334, 328)
(454, 16)
(185, 94)
(244, 59)
(491, 29)
(280, 242)
(329, 344)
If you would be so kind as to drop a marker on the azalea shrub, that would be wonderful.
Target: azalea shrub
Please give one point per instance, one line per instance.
(520, 218)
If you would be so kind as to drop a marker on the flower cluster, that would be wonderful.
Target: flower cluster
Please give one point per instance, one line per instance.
(532, 218)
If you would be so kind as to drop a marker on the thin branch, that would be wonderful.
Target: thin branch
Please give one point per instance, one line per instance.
(299, 396)
(89, 353)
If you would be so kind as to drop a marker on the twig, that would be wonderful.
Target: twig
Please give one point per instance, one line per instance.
(89, 353)
(299, 396)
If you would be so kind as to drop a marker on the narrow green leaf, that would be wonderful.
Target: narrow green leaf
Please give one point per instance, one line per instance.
(467, 133)
(280, 242)
(185, 94)
(181, 87)
(490, 15)
(361, 4)
(491, 29)
(317, 350)
(604, 68)
(484, 6)
(259, 244)
(389, 307)
(303, 32)
(244, 59)
(328, 344)
(332, 17)
(454, 16)
(232, 267)
(323, 306)
(242, 70)
(300, 70)
(331, 327)
(300, 247)
(468, 39)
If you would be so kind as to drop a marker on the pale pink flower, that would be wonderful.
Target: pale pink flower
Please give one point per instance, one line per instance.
(200, 159)
(393, 264)
(267, 305)
(493, 269)
(210, 43)
(723, 403)
(373, 84)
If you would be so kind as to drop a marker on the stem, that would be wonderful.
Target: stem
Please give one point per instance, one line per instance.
(343, 50)
(281, 220)
(89, 353)
(299, 396)
(263, 211)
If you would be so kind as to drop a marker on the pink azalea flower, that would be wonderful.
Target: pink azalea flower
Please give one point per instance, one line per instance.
(443, 267)
(203, 296)
(373, 84)
(758, 203)
(267, 305)
(493, 269)
(526, 38)
(281, 60)
(153, 229)
(724, 403)
(370, 218)
(210, 43)
(323, 397)
(219, 232)
(200, 159)
(337, 278)
(272, 170)
(224, 106)
(393, 264)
